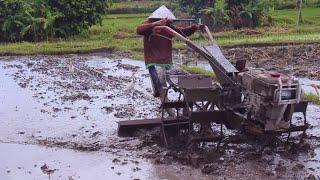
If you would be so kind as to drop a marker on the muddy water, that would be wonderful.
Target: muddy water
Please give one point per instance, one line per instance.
(58, 118)
(34, 162)
(33, 111)
(67, 105)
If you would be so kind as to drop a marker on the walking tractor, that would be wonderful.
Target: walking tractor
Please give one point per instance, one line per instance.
(251, 100)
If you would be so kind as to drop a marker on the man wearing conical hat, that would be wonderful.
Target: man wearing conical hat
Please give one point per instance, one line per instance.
(158, 46)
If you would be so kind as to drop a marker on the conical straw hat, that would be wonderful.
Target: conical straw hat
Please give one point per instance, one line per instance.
(161, 13)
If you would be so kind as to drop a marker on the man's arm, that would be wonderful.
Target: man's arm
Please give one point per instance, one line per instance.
(146, 27)
(187, 31)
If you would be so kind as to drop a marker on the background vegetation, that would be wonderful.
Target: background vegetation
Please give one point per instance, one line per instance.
(37, 20)
(235, 14)
(117, 31)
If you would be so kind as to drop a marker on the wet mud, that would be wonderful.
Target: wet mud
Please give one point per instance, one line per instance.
(68, 106)
(304, 59)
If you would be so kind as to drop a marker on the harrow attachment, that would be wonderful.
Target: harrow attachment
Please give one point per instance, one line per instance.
(251, 100)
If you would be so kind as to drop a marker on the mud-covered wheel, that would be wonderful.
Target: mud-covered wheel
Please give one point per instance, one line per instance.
(200, 130)
(174, 127)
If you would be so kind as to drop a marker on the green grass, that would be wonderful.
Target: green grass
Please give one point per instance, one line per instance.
(291, 4)
(288, 18)
(198, 70)
(311, 97)
(117, 33)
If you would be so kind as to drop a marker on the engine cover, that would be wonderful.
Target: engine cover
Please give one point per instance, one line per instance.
(270, 97)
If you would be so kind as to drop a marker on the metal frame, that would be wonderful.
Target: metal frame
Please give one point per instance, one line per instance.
(228, 112)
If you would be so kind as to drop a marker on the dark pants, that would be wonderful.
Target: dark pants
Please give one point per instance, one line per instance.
(156, 83)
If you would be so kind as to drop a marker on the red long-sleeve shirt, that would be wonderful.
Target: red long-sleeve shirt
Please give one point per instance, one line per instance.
(157, 49)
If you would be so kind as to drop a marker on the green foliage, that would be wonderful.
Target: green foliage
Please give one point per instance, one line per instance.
(195, 7)
(77, 15)
(258, 11)
(11, 19)
(226, 13)
(39, 23)
(37, 20)
(218, 13)
(250, 13)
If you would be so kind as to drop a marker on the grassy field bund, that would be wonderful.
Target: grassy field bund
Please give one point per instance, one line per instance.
(117, 33)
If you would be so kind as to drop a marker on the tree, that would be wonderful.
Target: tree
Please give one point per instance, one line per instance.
(37, 20)
(237, 13)
(195, 7)
(299, 4)
(219, 15)
(250, 13)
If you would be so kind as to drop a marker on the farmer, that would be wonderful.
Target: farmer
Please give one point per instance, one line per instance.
(158, 46)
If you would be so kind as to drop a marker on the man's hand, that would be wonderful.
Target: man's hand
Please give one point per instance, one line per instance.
(201, 27)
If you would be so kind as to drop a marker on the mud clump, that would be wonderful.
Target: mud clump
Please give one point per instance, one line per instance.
(298, 167)
(108, 109)
(71, 145)
(123, 111)
(210, 169)
(46, 170)
(116, 160)
(148, 137)
(128, 67)
(78, 96)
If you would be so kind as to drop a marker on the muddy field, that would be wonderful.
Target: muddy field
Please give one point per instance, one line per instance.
(304, 59)
(58, 119)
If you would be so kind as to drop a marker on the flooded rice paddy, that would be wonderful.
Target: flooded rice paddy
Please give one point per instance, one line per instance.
(58, 119)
